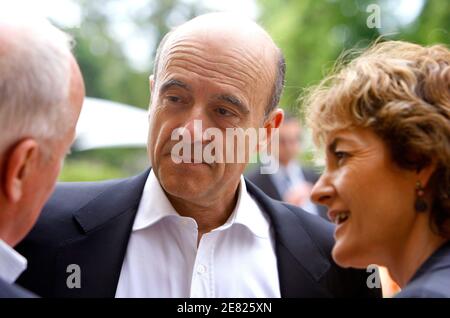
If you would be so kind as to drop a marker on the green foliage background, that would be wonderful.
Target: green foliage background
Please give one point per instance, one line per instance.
(311, 33)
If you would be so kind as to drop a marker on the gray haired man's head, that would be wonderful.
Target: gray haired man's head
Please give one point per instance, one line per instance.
(41, 94)
(35, 62)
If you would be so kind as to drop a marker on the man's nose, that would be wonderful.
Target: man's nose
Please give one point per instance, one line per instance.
(196, 123)
(323, 191)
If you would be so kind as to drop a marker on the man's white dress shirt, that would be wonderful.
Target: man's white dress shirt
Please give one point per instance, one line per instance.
(162, 259)
(12, 264)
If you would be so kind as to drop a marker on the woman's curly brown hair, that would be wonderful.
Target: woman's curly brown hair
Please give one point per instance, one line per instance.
(401, 91)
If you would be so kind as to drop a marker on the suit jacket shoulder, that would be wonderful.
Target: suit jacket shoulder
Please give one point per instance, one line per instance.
(264, 182)
(13, 291)
(86, 224)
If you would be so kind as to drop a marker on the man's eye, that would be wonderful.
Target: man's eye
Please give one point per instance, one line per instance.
(172, 99)
(224, 112)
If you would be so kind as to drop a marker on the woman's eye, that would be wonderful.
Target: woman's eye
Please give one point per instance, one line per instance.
(340, 156)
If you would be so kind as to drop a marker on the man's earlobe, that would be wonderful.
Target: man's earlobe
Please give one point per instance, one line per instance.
(18, 166)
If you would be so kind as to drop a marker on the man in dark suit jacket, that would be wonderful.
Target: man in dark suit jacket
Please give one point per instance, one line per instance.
(187, 227)
(291, 183)
(89, 224)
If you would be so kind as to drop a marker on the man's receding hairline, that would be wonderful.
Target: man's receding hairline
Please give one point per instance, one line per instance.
(279, 63)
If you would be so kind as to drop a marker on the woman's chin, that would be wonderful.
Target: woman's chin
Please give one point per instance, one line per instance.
(347, 257)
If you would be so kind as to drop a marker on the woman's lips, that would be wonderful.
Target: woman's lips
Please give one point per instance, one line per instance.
(338, 216)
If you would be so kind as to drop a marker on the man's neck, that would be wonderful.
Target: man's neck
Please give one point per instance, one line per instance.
(209, 213)
(8, 233)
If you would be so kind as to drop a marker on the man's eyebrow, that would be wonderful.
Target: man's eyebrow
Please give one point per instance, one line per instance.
(174, 82)
(234, 101)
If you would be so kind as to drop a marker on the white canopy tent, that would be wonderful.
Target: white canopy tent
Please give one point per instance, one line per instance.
(104, 124)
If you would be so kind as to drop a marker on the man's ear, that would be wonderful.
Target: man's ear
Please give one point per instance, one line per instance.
(273, 121)
(19, 163)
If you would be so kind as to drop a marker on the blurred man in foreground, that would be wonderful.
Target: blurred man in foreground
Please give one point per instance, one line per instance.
(41, 93)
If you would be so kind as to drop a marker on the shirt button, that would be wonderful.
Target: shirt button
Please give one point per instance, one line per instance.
(201, 269)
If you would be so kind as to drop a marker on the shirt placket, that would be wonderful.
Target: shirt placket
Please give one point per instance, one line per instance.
(202, 284)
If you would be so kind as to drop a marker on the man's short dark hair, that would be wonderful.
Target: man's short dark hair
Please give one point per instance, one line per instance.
(279, 83)
(278, 86)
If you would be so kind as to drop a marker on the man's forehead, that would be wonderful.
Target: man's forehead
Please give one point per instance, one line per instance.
(222, 41)
(250, 61)
(223, 32)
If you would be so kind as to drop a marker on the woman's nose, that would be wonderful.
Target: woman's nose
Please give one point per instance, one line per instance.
(322, 192)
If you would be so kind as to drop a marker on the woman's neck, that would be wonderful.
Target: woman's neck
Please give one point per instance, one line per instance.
(418, 247)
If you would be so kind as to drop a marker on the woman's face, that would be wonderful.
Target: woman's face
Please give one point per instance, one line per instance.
(369, 198)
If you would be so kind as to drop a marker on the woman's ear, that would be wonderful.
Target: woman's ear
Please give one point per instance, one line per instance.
(425, 173)
(19, 162)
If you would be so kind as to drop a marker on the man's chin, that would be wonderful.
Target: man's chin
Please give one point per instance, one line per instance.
(189, 183)
(186, 169)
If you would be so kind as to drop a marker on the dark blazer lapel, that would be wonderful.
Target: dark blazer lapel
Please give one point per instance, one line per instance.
(106, 224)
(269, 187)
(264, 182)
(301, 264)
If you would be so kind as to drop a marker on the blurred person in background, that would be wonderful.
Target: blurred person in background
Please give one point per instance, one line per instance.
(41, 93)
(384, 120)
(292, 182)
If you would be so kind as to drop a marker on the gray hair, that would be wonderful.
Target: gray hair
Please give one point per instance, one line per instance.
(35, 74)
(278, 85)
